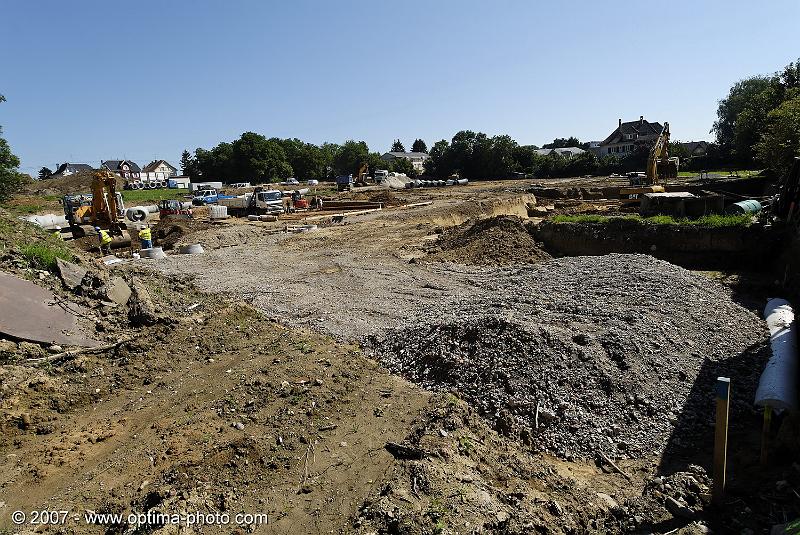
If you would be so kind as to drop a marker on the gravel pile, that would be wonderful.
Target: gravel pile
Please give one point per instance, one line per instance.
(578, 356)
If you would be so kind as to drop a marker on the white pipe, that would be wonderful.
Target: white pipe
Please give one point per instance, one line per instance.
(778, 385)
(49, 221)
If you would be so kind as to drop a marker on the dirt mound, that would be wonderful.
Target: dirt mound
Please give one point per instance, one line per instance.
(388, 198)
(500, 240)
(559, 356)
(80, 182)
(172, 231)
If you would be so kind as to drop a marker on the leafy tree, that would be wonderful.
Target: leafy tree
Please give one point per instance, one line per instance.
(257, 158)
(563, 143)
(404, 165)
(45, 172)
(350, 157)
(781, 142)
(437, 164)
(419, 146)
(397, 146)
(11, 180)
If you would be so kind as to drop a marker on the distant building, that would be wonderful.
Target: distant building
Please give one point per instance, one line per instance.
(696, 148)
(159, 170)
(566, 152)
(417, 158)
(122, 168)
(624, 139)
(67, 169)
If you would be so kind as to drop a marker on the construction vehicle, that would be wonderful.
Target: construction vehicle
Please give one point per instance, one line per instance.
(174, 208)
(660, 167)
(344, 182)
(260, 202)
(360, 179)
(103, 208)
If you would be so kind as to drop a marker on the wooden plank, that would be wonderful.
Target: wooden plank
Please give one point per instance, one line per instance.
(723, 395)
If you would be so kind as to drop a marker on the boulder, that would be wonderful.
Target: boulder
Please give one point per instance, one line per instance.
(71, 274)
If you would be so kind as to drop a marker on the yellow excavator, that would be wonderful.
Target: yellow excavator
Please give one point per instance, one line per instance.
(362, 175)
(660, 167)
(104, 208)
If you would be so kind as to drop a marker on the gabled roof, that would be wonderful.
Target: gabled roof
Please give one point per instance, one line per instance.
(116, 165)
(155, 163)
(692, 146)
(571, 151)
(635, 128)
(72, 168)
(406, 154)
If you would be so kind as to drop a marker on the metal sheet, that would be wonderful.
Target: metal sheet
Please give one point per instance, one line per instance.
(29, 312)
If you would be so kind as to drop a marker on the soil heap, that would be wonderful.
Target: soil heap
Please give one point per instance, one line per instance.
(577, 356)
(501, 240)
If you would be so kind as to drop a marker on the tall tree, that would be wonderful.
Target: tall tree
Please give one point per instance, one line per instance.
(397, 146)
(419, 146)
(350, 157)
(45, 172)
(186, 163)
(10, 178)
(562, 143)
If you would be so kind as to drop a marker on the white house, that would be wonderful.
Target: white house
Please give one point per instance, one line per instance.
(122, 168)
(417, 158)
(158, 170)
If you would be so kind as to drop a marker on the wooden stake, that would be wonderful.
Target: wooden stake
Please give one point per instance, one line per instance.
(765, 435)
(723, 391)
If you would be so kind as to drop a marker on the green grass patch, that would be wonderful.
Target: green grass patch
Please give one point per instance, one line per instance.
(136, 196)
(709, 221)
(721, 172)
(43, 254)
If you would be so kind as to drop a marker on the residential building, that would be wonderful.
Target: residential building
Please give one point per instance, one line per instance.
(158, 170)
(122, 168)
(696, 148)
(623, 140)
(417, 158)
(566, 152)
(67, 169)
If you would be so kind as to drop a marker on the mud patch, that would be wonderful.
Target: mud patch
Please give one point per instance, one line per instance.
(500, 240)
(171, 231)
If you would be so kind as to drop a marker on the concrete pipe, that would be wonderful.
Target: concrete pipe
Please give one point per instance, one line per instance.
(49, 221)
(253, 217)
(777, 387)
(195, 248)
(154, 253)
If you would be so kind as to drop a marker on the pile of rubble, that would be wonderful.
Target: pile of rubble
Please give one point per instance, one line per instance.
(501, 240)
(612, 355)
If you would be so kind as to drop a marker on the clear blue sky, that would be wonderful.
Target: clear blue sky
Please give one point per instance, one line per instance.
(92, 80)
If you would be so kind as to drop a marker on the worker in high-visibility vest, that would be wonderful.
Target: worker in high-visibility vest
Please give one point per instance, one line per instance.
(105, 240)
(146, 237)
(57, 233)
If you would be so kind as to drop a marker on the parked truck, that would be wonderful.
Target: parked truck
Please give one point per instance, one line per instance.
(208, 196)
(260, 202)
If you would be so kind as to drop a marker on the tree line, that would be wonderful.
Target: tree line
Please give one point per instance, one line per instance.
(254, 157)
(758, 122)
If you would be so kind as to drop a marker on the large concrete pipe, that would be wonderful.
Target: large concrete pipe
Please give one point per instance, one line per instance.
(48, 221)
(777, 387)
(138, 214)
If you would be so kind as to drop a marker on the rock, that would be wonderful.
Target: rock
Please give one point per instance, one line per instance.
(555, 508)
(71, 274)
(607, 500)
(31, 350)
(502, 517)
(141, 309)
(678, 509)
(118, 291)
(55, 348)
(25, 420)
(239, 426)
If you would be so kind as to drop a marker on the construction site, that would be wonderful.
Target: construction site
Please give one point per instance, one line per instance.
(488, 357)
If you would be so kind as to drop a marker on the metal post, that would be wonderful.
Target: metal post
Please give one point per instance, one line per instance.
(765, 432)
(723, 391)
